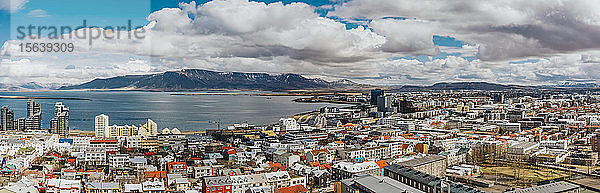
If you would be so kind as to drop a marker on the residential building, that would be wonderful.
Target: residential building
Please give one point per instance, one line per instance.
(60, 123)
(101, 126)
(7, 118)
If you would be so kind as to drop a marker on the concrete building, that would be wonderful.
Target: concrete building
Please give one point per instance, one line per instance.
(374, 184)
(33, 121)
(101, 126)
(7, 118)
(522, 150)
(434, 165)
(425, 182)
(60, 123)
(346, 170)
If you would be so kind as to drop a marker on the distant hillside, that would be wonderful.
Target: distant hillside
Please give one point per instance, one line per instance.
(29, 86)
(463, 86)
(193, 79)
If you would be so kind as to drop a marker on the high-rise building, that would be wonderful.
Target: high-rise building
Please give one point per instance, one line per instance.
(7, 118)
(60, 122)
(152, 127)
(384, 103)
(375, 94)
(33, 108)
(19, 124)
(101, 126)
(34, 115)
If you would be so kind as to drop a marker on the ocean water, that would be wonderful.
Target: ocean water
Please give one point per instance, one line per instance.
(189, 112)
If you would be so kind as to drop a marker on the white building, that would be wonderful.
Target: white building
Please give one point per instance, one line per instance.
(101, 126)
(287, 124)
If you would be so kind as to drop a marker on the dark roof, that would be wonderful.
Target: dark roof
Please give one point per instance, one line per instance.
(379, 184)
(430, 180)
(554, 187)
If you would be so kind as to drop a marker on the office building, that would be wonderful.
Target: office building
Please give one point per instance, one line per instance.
(375, 94)
(7, 118)
(384, 103)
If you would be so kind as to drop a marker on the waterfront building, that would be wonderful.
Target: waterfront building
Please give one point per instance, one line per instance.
(151, 127)
(7, 118)
(101, 126)
(19, 124)
(60, 122)
(33, 121)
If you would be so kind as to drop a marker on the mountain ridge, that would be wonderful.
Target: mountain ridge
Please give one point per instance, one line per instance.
(196, 79)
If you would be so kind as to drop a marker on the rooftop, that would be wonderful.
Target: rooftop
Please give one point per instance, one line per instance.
(553, 187)
(421, 161)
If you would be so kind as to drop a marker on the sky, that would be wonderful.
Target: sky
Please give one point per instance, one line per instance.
(382, 42)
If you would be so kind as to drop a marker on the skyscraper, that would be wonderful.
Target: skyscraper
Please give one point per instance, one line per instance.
(60, 122)
(101, 125)
(7, 118)
(375, 94)
(34, 115)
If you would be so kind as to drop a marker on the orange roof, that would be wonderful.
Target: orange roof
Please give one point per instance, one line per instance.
(291, 189)
(156, 174)
(314, 164)
(382, 163)
(276, 166)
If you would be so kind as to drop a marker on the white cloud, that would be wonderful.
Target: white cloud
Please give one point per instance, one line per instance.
(504, 29)
(12, 5)
(37, 13)
(240, 35)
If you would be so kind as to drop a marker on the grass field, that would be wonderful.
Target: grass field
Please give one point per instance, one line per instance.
(525, 174)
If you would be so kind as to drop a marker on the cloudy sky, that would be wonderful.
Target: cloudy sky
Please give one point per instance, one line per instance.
(368, 41)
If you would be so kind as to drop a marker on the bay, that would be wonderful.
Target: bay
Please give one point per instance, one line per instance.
(186, 112)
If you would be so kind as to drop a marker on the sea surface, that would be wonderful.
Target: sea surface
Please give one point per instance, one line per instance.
(186, 112)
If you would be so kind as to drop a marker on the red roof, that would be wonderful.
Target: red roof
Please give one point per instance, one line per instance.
(292, 189)
(177, 163)
(104, 141)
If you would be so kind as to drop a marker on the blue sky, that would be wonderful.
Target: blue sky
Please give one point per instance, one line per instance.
(98, 13)
(118, 13)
